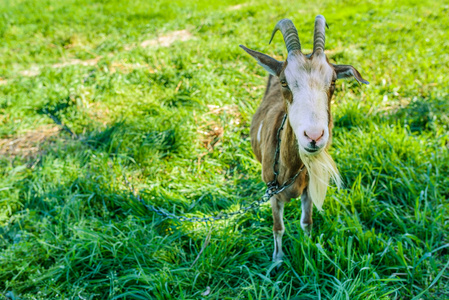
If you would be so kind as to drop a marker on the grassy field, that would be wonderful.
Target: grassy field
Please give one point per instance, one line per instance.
(160, 93)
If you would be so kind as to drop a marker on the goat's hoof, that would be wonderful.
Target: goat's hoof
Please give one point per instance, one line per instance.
(280, 262)
(279, 268)
(307, 228)
(277, 256)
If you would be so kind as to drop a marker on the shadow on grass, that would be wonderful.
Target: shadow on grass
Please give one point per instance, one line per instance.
(96, 162)
(83, 226)
(422, 114)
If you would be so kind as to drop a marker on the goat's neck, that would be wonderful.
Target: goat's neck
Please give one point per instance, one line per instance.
(290, 162)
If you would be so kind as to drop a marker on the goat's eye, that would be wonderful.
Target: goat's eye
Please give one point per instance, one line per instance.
(284, 83)
(333, 83)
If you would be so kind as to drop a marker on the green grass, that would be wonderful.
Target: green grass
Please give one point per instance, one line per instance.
(175, 121)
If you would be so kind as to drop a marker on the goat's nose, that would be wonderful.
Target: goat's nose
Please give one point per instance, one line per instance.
(314, 135)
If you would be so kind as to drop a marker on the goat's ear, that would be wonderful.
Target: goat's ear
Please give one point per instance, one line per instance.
(273, 66)
(345, 71)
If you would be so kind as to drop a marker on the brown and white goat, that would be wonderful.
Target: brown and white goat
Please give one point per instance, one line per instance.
(301, 87)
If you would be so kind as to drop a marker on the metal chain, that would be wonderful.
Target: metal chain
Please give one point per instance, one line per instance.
(274, 182)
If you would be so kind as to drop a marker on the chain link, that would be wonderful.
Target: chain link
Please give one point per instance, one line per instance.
(274, 182)
(273, 188)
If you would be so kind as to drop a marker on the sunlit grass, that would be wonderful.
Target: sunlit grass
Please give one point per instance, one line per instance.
(174, 119)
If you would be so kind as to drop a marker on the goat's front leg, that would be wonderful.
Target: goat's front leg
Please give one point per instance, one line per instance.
(277, 207)
(307, 210)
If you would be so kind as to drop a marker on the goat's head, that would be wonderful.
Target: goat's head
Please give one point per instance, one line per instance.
(308, 83)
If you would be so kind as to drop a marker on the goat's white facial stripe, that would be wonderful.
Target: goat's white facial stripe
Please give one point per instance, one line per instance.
(309, 81)
(258, 132)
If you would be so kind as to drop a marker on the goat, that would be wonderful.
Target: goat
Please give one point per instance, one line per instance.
(299, 89)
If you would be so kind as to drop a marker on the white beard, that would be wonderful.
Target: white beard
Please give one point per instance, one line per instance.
(321, 168)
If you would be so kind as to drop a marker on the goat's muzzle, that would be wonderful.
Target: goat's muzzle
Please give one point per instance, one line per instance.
(313, 140)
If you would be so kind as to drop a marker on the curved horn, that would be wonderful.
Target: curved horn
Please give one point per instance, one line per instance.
(289, 33)
(319, 33)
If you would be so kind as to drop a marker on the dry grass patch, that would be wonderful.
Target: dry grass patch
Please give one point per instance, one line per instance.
(72, 62)
(33, 71)
(29, 144)
(168, 39)
(212, 131)
(237, 7)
